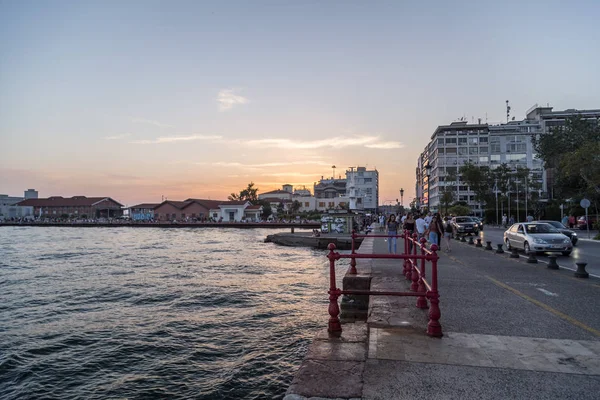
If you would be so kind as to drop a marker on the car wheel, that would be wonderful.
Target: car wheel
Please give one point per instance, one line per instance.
(507, 242)
(526, 248)
(566, 253)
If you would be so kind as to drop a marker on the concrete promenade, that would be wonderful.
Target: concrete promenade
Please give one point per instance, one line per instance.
(512, 330)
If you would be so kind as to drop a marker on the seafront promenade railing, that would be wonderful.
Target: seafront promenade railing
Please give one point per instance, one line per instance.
(420, 286)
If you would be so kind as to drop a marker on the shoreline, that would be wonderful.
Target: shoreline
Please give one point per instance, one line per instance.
(248, 225)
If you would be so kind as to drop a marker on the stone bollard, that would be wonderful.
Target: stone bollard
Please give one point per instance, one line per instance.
(499, 250)
(478, 243)
(292, 229)
(488, 245)
(532, 259)
(471, 240)
(513, 253)
(457, 237)
(552, 264)
(462, 239)
(581, 272)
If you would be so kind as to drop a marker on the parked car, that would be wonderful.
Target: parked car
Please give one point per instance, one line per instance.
(564, 230)
(582, 223)
(537, 237)
(465, 226)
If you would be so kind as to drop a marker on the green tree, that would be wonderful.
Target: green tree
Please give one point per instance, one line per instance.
(448, 189)
(249, 194)
(477, 179)
(295, 206)
(280, 209)
(572, 151)
(459, 210)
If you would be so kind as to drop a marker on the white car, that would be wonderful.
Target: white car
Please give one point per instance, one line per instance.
(537, 237)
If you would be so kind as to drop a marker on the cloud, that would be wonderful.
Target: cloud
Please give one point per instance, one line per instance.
(227, 99)
(337, 142)
(150, 122)
(117, 137)
(291, 174)
(171, 139)
(263, 165)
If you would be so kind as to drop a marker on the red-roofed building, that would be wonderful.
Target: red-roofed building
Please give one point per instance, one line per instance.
(76, 206)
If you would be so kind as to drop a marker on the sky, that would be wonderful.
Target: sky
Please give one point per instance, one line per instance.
(140, 100)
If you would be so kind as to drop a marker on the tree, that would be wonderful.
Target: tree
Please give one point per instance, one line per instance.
(446, 199)
(572, 152)
(249, 194)
(279, 209)
(459, 210)
(295, 206)
(477, 178)
(447, 191)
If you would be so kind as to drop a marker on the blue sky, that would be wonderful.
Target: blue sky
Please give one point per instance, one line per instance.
(138, 99)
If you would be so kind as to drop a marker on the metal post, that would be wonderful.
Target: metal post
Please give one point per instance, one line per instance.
(433, 327)
(422, 300)
(334, 310)
(526, 195)
(353, 260)
(518, 214)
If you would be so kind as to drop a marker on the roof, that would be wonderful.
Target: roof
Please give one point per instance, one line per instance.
(176, 204)
(233, 203)
(274, 200)
(209, 204)
(146, 205)
(256, 207)
(278, 191)
(59, 201)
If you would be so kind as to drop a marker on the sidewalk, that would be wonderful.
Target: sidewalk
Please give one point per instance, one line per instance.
(511, 330)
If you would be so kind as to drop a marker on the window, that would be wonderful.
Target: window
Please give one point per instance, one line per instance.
(516, 147)
(516, 157)
(483, 150)
(462, 141)
(306, 204)
(440, 151)
(462, 151)
(473, 150)
(321, 204)
(495, 157)
(451, 150)
(369, 190)
(483, 140)
(473, 141)
(450, 140)
(183, 215)
(368, 180)
(440, 141)
(495, 145)
(331, 204)
(483, 159)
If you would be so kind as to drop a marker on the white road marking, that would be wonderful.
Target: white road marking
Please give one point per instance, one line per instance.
(547, 292)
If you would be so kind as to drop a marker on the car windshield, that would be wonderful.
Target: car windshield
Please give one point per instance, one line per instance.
(540, 228)
(555, 224)
(463, 219)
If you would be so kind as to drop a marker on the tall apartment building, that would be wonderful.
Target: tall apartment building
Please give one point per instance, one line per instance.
(362, 188)
(453, 145)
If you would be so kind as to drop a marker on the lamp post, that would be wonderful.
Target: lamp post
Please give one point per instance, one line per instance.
(402, 197)
(428, 175)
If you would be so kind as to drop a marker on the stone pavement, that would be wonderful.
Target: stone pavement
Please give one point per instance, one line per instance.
(512, 330)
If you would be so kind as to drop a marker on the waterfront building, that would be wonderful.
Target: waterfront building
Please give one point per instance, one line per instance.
(31, 194)
(451, 146)
(76, 206)
(278, 194)
(362, 189)
(143, 212)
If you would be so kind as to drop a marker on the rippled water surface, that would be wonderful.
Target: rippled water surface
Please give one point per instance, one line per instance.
(97, 313)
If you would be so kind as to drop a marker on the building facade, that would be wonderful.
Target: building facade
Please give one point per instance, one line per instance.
(76, 206)
(451, 146)
(362, 189)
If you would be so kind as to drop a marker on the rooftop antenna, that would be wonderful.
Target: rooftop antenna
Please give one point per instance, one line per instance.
(486, 117)
(507, 111)
(333, 168)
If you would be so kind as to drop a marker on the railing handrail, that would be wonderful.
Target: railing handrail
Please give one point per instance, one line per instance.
(420, 287)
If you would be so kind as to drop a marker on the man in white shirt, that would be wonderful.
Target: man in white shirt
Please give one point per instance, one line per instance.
(428, 218)
(403, 219)
(421, 226)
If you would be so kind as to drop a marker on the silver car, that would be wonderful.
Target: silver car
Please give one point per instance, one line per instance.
(537, 237)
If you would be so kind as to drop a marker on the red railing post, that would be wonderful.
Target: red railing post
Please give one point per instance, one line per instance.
(415, 273)
(406, 263)
(413, 262)
(433, 327)
(353, 260)
(334, 310)
(422, 300)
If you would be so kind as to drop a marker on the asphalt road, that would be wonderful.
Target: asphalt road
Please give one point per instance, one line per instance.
(585, 250)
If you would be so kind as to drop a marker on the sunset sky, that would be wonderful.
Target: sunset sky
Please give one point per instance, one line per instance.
(142, 99)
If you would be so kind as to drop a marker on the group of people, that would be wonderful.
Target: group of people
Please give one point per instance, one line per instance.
(430, 226)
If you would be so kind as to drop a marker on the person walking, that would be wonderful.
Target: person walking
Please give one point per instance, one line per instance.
(434, 231)
(448, 234)
(392, 227)
(421, 226)
(409, 227)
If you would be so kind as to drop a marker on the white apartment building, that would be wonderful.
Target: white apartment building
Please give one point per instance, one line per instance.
(453, 145)
(362, 188)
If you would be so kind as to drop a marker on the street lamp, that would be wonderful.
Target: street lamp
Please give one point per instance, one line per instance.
(428, 175)
(402, 197)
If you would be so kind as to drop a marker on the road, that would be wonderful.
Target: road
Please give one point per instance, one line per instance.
(585, 250)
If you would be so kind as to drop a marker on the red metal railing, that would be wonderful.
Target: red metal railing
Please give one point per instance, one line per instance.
(419, 287)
